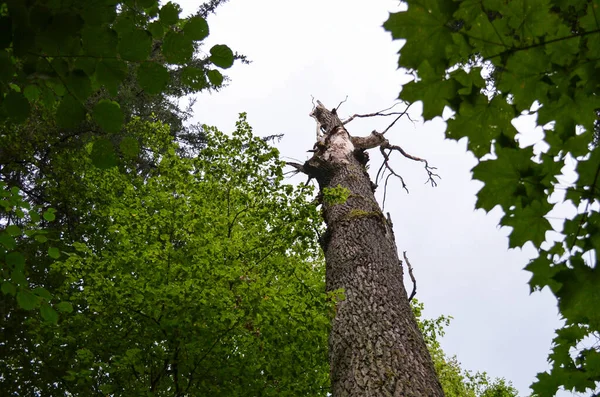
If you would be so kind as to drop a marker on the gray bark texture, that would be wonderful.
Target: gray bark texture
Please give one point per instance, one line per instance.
(376, 348)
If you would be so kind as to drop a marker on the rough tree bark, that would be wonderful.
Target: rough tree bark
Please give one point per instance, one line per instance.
(376, 348)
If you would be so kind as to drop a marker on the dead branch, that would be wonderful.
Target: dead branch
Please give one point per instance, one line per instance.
(430, 170)
(298, 167)
(385, 190)
(386, 159)
(381, 113)
(338, 106)
(374, 139)
(412, 277)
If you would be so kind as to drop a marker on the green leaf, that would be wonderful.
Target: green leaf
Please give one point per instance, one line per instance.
(70, 112)
(40, 238)
(177, 48)
(18, 277)
(521, 77)
(15, 259)
(98, 13)
(135, 45)
(152, 77)
(435, 92)
(482, 122)
(103, 154)
(7, 241)
(35, 217)
(16, 106)
(196, 28)
(110, 73)
(130, 147)
(156, 29)
(48, 313)
(49, 214)
(42, 293)
(65, 307)
(13, 230)
(425, 24)
(531, 13)
(221, 56)
(108, 115)
(562, 52)
(79, 84)
(529, 224)
(503, 180)
(8, 288)
(147, 3)
(26, 300)
(100, 41)
(32, 93)
(169, 13)
(215, 77)
(53, 252)
(579, 295)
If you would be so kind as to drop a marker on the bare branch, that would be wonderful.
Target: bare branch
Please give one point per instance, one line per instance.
(385, 190)
(392, 124)
(386, 159)
(338, 106)
(298, 167)
(375, 139)
(430, 170)
(381, 113)
(412, 277)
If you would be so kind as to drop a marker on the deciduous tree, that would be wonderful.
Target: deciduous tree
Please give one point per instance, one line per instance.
(375, 346)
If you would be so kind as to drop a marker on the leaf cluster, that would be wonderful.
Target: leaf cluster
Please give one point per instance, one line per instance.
(489, 62)
(174, 290)
(71, 59)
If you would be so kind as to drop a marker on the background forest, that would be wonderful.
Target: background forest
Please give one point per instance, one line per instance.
(143, 252)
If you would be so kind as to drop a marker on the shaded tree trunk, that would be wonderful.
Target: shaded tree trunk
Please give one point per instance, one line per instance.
(376, 348)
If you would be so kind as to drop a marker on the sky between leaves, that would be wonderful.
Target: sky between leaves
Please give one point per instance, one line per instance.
(330, 49)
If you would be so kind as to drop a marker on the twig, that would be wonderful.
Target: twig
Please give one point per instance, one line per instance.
(381, 113)
(385, 190)
(386, 158)
(338, 106)
(430, 170)
(299, 167)
(412, 277)
(392, 124)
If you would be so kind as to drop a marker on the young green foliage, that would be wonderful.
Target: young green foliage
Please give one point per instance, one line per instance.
(539, 57)
(202, 277)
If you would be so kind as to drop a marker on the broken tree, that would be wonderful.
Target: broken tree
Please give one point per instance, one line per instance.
(376, 348)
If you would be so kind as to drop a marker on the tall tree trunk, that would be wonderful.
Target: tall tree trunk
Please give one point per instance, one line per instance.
(376, 348)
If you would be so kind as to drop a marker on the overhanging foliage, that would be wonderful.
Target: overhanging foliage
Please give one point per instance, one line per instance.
(491, 61)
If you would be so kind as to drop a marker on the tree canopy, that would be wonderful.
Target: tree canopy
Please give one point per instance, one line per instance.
(490, 62)
(170, 286)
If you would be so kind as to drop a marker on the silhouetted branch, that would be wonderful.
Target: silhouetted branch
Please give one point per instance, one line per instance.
(430, 170)
(381, 113)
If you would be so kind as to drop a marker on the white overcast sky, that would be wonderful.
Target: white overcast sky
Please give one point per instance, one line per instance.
(331, 49)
